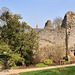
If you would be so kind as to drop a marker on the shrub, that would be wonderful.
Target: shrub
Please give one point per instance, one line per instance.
(1, 63)
(27, 62)
(8, 67)
(41, 65)
(67, 62)
(66, 58)
(48, 62)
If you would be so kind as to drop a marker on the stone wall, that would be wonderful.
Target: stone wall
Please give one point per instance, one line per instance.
(69, 20)
(48, 39)
(52, 40)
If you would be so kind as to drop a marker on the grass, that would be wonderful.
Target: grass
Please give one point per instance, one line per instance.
(14, 67)
(41, 65)
(69, 71)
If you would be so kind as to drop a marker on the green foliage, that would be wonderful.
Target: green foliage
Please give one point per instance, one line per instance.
(1, 63)
(67, 62)
(6, 54)
(31, 65)
(15, 58)
(65, 58)
(41, 65)
(48, 62)
(5, 16)
(8, 67)
(14, 67)
(17, 42)
(27, 62)
(5, 57)
(5, 49)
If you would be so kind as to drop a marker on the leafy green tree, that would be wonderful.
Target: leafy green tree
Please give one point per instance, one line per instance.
(16, 36)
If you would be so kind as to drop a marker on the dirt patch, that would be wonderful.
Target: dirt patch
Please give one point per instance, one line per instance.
(55, 63)
(62, 70)
(72, 62)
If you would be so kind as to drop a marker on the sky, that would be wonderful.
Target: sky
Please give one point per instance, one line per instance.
(39, 11)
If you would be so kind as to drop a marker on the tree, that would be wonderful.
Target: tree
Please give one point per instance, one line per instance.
(15, 36)
(57, 23)
(4, 11)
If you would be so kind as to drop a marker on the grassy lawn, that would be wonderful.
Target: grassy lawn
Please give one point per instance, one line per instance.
(69, 71)
(14, 67)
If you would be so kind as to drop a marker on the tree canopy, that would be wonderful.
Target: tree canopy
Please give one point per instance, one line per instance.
(16, 40)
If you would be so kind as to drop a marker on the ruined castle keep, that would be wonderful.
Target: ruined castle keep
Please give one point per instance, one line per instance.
(69, 20)
(52, 43)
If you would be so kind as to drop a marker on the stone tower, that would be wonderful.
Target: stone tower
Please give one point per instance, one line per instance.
(69, 19)
(48, 25)
(69, 24)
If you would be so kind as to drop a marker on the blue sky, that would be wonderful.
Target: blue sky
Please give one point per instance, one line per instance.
(39, 11)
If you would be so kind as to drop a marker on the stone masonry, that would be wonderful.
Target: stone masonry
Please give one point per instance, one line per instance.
(50, 37)
(69, 19)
